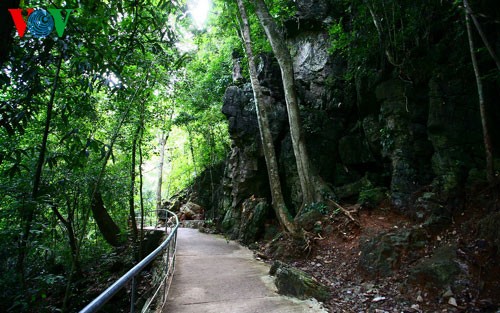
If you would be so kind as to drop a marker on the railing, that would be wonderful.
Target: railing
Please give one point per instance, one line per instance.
(152, 218)
(168, 247)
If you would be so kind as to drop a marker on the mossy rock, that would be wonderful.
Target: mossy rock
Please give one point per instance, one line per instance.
(372, 196)
(438, 271)
(308, 220)
(381, 255)
(291, 281)
(352, 189)
(489, 229)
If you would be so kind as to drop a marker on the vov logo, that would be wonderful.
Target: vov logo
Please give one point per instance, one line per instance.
(40, 23)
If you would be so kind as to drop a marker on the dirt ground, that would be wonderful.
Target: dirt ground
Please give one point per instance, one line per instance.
(334, 257)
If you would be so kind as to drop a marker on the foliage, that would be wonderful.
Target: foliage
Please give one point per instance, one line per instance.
(199, 136)
(113, 57)
(282, 10)
(372, 196)
(316, 206)
(387, 34)
(128, 72)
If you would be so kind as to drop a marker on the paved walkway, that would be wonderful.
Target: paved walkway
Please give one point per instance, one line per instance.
(216, 276)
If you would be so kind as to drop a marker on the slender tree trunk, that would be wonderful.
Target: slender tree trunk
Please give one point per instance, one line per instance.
(488, 147)
(469, 12)
(191, 149)
(163, 142)
(29, 213)
(311, 184)
(68, 224)
(282, 212)
(131, 201)
(141, 198)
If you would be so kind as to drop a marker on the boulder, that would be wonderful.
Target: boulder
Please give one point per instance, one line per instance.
(191, 211)
(383, 254)
(438, 271)
(232, 222)
(489, 229)
(293, 282)
(309, 219)
(352, 189)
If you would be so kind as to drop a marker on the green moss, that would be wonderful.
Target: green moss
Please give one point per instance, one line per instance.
(294, 282)
(372, 196)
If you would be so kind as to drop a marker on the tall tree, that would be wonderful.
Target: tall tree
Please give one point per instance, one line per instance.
(131, 199)
(261, 100)
(488, 147)
(312, 186)
(162, 143)
(165, 133)
(470, 13)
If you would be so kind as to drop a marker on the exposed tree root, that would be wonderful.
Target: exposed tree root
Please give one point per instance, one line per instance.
(346, 212)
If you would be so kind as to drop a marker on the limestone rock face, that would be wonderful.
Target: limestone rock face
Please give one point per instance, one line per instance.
(240, 112)
(313, 10)
(383, 133)
(310, 56)
(253, 215)
(454, 129)
(246, 174)
(404, 140)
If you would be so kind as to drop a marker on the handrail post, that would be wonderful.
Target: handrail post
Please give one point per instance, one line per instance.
(132, 296)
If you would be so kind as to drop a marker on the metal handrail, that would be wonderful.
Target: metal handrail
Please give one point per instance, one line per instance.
(105, 296)
(151, 217)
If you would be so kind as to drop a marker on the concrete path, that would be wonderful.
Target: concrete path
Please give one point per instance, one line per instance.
(216, 276)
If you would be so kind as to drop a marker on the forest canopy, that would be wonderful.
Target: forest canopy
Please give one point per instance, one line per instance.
(113, 109)
(83, 119)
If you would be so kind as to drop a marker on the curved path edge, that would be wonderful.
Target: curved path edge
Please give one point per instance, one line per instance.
(213, 275)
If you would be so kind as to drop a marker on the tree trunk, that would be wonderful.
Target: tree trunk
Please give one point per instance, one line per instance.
(163, 142)
(29, 213)
(109, 230)
(312, 186)
(191, 149)
(488, 147)
(468, 11)
(282, 212)
(68, 224)
(141, 200)
(132, 185)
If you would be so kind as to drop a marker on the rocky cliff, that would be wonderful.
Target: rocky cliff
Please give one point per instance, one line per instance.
(413, 139)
